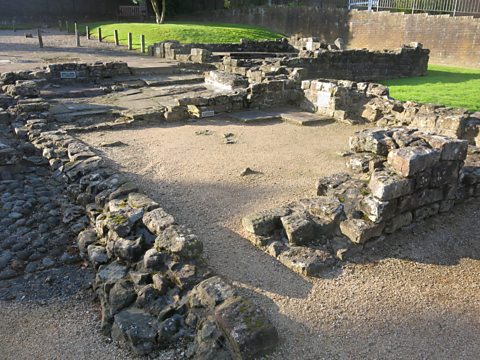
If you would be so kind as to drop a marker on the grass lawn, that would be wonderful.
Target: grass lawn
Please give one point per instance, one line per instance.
(449, 86)
(181, 31)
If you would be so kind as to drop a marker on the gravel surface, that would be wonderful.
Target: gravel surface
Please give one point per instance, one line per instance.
(18, 52)
(414, 296)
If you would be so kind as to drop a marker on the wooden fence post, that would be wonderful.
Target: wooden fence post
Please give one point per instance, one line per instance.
(142, 44)
(77, 36)
(87, 31)
(115, 35)
(40, 40)
(59, 25)
(66, 26)
(130, 47)
(99, 34)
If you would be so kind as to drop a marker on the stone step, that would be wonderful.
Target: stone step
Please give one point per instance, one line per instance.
(291, 116)
(303, 118)
(255, 116)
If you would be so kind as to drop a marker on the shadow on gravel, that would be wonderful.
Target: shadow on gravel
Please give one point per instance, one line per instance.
(207, 207)
(441, 240)
(227, 253)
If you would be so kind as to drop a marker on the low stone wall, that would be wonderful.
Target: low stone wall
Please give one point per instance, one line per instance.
(154, 287)
(318, 61)
(240, 95)
(362, 64)
(354, 102)
(411, 175)
(174, 50)
(63, 72)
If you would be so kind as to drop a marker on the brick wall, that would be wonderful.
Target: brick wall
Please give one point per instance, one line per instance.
(452, 40)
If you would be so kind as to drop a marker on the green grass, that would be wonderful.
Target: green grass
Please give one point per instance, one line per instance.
(181, 31)
(443, 85)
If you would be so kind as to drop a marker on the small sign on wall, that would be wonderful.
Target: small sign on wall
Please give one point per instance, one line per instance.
(68, 74)
(207, 113)
(323, 99)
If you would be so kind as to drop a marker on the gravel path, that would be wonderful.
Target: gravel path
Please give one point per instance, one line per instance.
(415, 296)
(20, 53)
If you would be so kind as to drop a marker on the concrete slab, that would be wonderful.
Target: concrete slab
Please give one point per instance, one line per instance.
(255, 116)
(302, 118)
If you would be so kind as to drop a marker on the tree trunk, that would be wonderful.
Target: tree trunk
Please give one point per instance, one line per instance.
(156, 9)
(164, 9)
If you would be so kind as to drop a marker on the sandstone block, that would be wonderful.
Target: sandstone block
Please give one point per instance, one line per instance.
(426, 211)
(248, 331)
(300, 229)
(387, 186)
(359, 231)
(409, 161)
(377, 210)
(306, 261)
(157, 220)
(398, 222)
(451, 149)
(265, 222)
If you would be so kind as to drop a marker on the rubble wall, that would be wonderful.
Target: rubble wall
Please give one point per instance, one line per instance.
(357, 102)
(63, 72)
(155, 288)
(172, 50)
(400, 176)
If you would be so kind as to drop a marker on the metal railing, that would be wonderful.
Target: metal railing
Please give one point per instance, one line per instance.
(132, 11)
(454, 7)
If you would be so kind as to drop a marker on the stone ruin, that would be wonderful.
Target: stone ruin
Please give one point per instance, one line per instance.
(316, 59)
(154, 287)
(400, 176)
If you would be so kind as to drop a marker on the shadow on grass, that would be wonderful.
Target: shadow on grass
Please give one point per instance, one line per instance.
(437, 77)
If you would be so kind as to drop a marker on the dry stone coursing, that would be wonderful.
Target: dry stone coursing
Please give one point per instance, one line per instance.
(23, 82)
(154, 287)
(415, 175)
(174, 50)
(318, 60)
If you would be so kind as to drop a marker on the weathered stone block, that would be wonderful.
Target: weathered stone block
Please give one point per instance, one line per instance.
(373, 141)
(446, 172)
(387, 186)
(306, 261)
(157, 220)
(359, 231)
(451, 149)
(327, 184)
(300, 229)
(426, 211)
(409, 161)
(226, 80)
(265, 222)
(179, 241)
(248, 331)
(136, 329)
(420, 198)
(212, 292)
(326, 207)
(398, 222)
(377, 210)
(137, 200)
